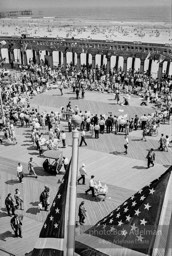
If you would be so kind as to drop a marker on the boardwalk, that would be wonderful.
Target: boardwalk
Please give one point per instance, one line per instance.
(124, 174)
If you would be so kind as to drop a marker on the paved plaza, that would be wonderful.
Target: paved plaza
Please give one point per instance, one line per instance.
(104, 158)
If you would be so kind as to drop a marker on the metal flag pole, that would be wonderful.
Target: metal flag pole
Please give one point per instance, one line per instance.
(72, 195)
(2, 109)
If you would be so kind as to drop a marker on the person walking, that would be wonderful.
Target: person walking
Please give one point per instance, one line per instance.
(63, 137)
(82, 173)
(91, 186)
(167, 141)
(31, 168)
(20, 172)
(82, 213)
(83, 138)
(77, 89)
(44, 198)
(150, 158)
(16, 225)
(61, 88)
(97, 130)
(144, 134)
(18, 199)
(126, 144)
(65, 163)
(9, 203)
(162, 142)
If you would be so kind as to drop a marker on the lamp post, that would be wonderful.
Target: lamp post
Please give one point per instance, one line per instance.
(76, 121)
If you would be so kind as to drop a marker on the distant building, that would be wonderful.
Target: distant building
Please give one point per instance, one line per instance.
(12, 14)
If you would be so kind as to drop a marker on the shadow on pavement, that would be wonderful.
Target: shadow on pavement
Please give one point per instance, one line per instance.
(6, 235)
(33, 210)
(139, 167)
(117, 153)
(12, 182)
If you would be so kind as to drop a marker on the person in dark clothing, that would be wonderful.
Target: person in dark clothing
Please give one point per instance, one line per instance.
(9, 203)
(82, 213)
(150, 158)
(77, 91)
(16, 225)
(95, 119)
(44, 197)
(136, 122)
(108, 124)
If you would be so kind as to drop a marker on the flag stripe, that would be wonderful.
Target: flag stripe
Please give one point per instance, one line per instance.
(105, 247)
(53, 243)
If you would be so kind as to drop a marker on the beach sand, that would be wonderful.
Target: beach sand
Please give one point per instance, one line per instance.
(90, 29)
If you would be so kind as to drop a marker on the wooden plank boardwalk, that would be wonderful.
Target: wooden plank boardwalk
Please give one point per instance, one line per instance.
(104, 158)
(34, 218)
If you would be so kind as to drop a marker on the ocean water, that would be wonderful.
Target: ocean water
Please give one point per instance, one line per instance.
(127, 14)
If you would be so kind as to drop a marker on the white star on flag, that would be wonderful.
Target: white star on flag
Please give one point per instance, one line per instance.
(124, 232)
(57, 210)
(142, 198)
(133, 227)
(134, 203)
(104, 226)
(56, 225)
(132, 197)
(45, 225)
(151, 191)
(54, 204)
(140, 191)
(128, 218)
(120, 223)
(125, 203)
(112, 229)
(118, 209)
(118, 215)
(137, 212)
(140, 238)
(51, 218)
(147, 206)
(126, 209)
(111, 220)
(143, 222)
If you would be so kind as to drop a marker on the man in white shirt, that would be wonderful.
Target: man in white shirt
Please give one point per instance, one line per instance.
(82, 173)
(83, 138)
(20, 172)
(63, 137)
(91, 186)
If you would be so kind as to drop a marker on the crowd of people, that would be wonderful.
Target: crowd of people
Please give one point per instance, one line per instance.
(18, 86)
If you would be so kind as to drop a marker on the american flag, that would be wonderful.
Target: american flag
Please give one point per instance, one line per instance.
(53, 236)
(134, 224)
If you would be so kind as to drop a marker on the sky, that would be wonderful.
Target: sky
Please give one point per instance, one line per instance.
(22, 4)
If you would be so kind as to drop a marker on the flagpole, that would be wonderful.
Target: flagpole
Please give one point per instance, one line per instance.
(2, 109)
(164, 221)
(72, 195)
